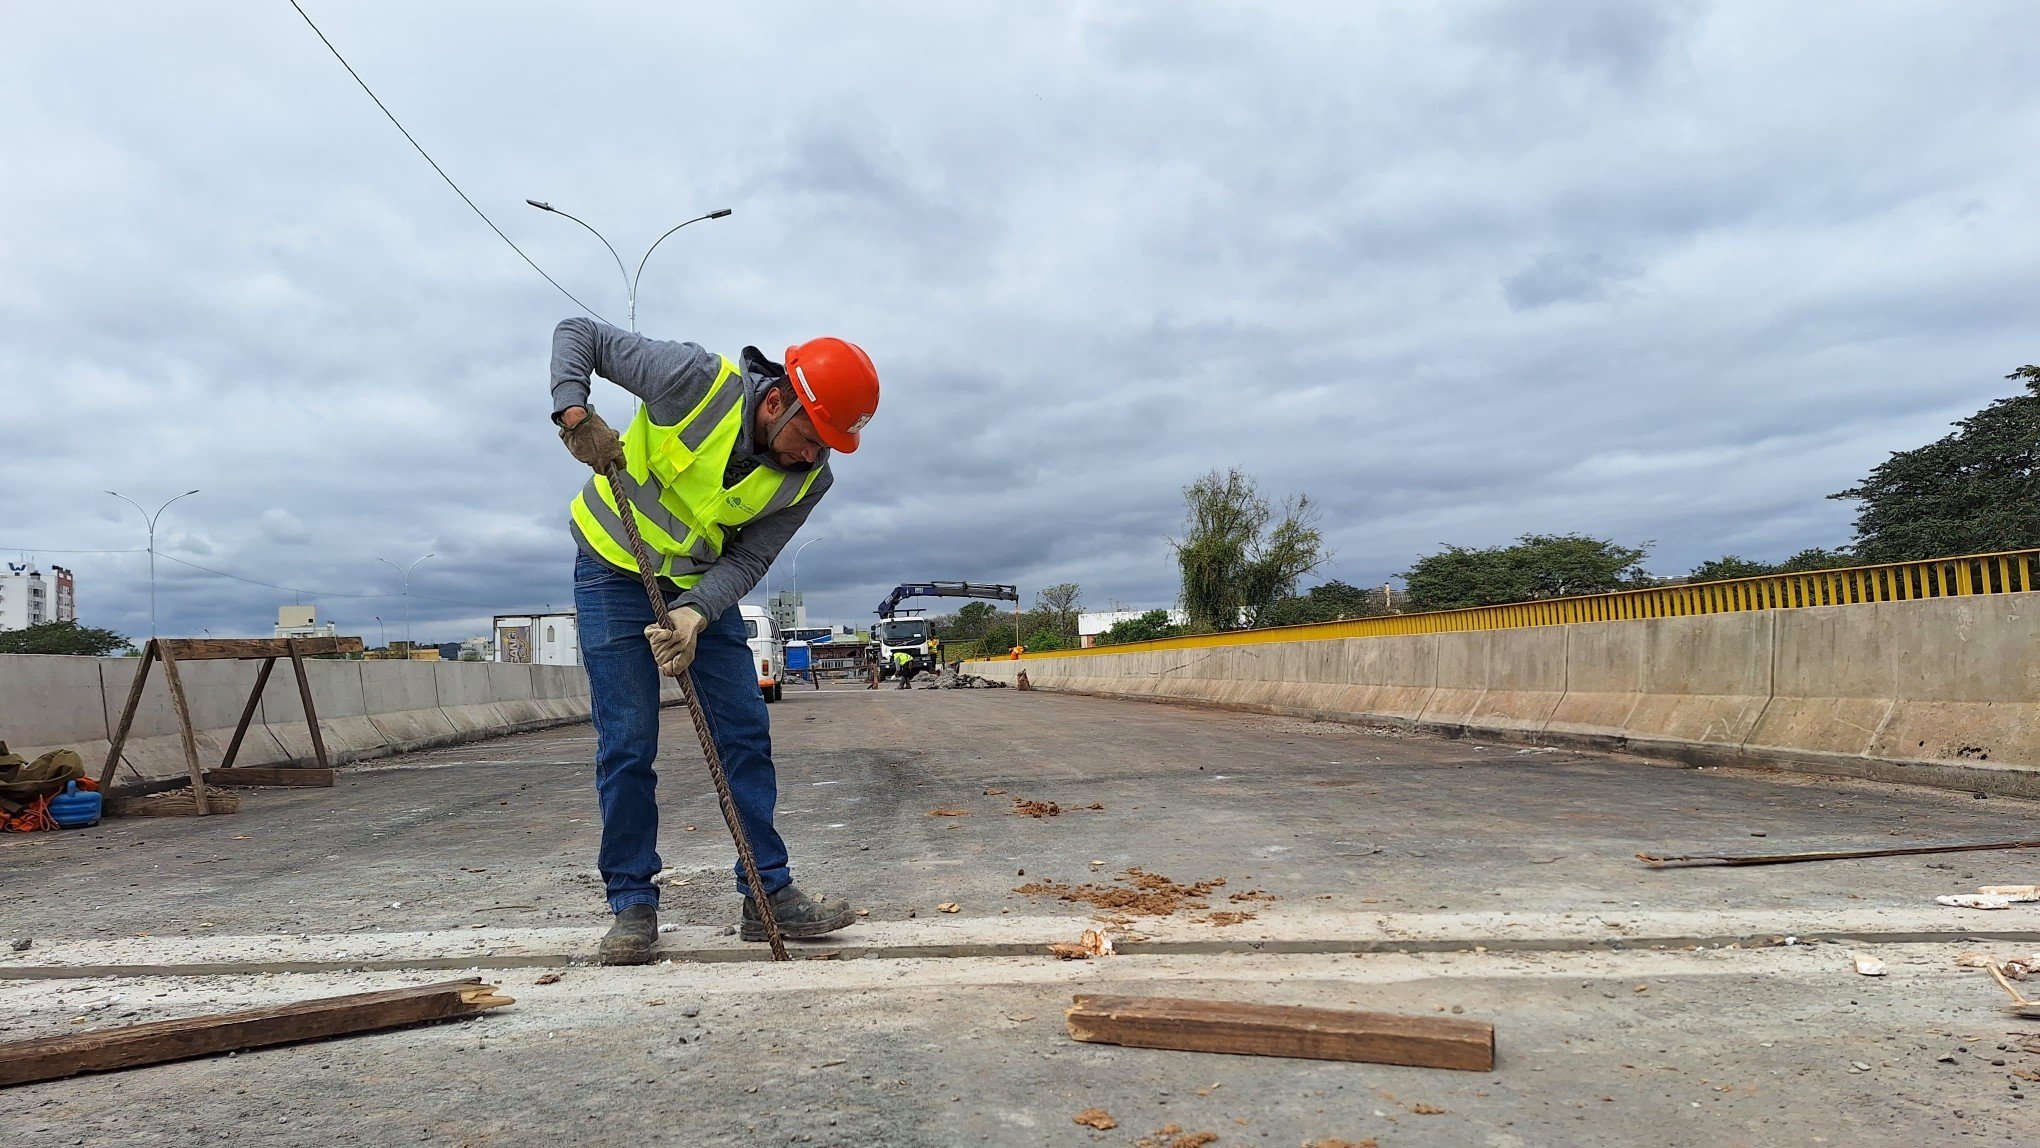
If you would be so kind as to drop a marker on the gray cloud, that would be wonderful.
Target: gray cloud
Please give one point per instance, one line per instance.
(1667, 272)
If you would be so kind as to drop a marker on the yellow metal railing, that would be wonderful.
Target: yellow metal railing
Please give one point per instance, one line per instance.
(2010, 572)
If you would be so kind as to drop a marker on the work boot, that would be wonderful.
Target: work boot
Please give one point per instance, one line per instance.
(631, 939)
(798, 914)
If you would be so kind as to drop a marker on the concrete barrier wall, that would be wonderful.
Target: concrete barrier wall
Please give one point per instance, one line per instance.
(1941, 692)
(366, 709)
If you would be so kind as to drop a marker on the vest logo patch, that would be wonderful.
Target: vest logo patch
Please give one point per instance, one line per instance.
(737, 502)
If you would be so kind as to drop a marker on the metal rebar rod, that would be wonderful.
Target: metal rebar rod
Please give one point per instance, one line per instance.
(745, 857)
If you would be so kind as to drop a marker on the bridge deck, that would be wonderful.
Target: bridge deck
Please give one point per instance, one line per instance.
(1365, 842)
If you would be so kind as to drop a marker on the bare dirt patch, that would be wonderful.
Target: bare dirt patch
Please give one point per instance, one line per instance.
(1136, 892)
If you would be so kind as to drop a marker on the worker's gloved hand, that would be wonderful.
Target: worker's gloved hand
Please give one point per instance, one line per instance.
(591, 441)
(674, 649)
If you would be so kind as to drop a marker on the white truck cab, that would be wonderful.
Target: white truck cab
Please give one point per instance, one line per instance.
(900, 634)
(768, 650)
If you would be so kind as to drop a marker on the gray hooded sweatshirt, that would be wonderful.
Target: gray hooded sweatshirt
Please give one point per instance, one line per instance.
(672, 378)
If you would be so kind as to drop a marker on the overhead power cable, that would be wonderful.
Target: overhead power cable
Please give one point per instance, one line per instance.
(47, 550)
(435, 163)
(306, 593)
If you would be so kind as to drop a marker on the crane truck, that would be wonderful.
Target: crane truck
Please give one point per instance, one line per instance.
(906, 631)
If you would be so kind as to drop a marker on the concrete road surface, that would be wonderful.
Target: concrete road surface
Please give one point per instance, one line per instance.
(1360, 868)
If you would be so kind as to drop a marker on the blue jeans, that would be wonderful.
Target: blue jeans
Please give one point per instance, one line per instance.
(613, 612)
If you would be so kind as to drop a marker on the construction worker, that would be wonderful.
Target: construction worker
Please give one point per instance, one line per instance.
(724, 461)
(905, 666)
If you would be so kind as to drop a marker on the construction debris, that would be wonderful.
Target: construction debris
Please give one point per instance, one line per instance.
(1992, 897)
(1096, 1118)
(1867, 965)
(1026, 808)
(105, 1050)
(1094, 943)
(1140, 893)
(1656, 861)
(952, 679)
(1283, 1030)
(2017, 968)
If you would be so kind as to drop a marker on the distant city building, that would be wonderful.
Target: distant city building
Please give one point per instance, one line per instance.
(787, 610)
(477, 649)
(64, 603)
(302, 622)
(25, 596)
(538, 639)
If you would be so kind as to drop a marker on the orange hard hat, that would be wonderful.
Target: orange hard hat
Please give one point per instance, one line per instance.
(837, 386)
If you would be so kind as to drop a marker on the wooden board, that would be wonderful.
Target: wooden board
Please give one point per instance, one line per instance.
(104, 1050)
(213, 649)
(175, 805)
(1283, 1030)
(262, 775)
(1658, 860)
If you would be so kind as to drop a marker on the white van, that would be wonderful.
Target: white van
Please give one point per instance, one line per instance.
(768, 649)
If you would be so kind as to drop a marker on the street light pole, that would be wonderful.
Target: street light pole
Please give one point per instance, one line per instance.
(630, 281)
(384, 631)
(407, 600)
(795, 572)
(151, 519)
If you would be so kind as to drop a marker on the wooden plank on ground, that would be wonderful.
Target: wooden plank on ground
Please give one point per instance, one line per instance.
(263, 775)
(178, 804)
(1660, 860)
(214, 649)
(104, 1050)
(1283, 1030)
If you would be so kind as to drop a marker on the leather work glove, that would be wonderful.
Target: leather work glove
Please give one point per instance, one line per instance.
(674, 649)
(591, 441)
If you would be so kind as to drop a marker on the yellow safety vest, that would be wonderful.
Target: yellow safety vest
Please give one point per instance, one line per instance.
(901, 657)
(674, 480)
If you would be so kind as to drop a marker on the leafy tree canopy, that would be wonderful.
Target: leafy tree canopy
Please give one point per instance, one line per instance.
(1146, 628)
(1973, 492)
(1325, 603)
(1059, 606)
(61, 638)
(1238, 558)
(1729, 566)
(1536, 566)
(1732, 566)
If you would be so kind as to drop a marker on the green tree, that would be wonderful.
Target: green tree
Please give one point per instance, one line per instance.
(1048, 639)
(1972, 492)
(1057, 607)
(1729, 566)
(1237, 557)
(61, 638)
(970, 623)
(1325, 603)
(1537, 566)
(1147, 628)
(1818, 558)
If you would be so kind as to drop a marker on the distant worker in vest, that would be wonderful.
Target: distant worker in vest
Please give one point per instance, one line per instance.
(725, 460)
(905, 667)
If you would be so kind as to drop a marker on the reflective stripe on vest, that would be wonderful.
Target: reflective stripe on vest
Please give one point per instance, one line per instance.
(673, 484)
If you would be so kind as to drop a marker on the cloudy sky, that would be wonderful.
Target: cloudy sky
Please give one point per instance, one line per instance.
(1651, 271)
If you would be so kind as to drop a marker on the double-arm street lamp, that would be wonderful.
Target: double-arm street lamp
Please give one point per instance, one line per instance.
(793, 574)
(151, 520)
(407, 598)
(630, 281)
